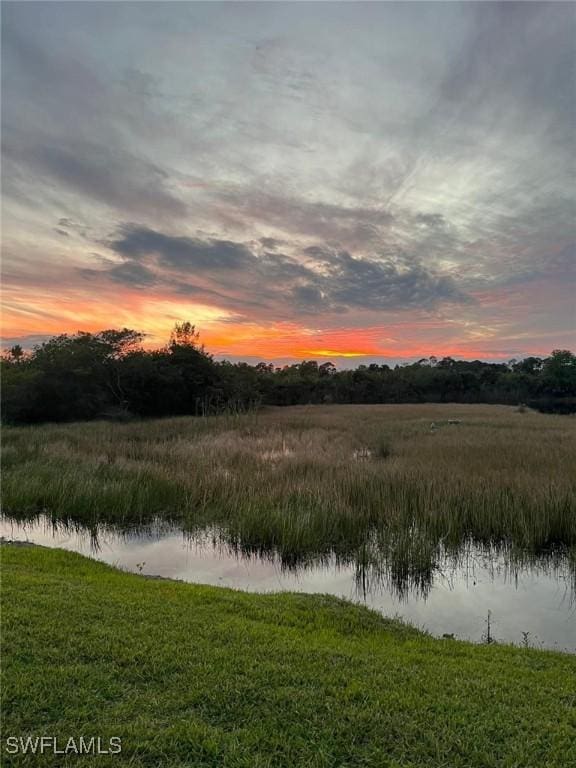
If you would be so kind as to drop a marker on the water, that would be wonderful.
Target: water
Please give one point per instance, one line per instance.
(536, 598)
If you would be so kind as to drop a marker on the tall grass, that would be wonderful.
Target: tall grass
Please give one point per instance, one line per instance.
(364, 483)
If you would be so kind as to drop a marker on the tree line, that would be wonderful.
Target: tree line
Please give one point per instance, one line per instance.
(109, 374)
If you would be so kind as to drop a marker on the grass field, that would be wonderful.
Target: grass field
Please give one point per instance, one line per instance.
(189, 675)
(385, 487)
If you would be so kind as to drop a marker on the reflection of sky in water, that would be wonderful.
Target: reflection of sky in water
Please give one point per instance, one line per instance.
(531, 601)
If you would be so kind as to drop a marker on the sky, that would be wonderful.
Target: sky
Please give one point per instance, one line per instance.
(354, 182)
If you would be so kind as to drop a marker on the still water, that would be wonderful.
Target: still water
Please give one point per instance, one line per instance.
(528, 604)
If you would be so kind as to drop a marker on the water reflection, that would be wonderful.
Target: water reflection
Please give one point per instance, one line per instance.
(444, 589)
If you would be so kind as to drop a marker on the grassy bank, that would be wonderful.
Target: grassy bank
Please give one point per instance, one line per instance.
(199, 676)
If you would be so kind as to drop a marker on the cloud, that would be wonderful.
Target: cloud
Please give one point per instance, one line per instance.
(309, 296)
(108, 175)
(270, 242)
(320, 161)
(27, 342)
(68, 127)
(328, 221)
(374, 284)
(181, 252)
(237, 275)
(132, 274)
(433, 220)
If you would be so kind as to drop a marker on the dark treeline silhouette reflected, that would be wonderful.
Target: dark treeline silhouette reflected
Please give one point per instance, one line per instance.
(403, 562)
(110, 375)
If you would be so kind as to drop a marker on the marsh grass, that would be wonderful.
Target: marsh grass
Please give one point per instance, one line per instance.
(286, 482)
(383, 447)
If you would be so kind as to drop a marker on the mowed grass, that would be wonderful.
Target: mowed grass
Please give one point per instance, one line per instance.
(190, 675)
(303, 482)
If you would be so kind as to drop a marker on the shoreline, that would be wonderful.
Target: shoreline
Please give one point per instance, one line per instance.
(186, 674)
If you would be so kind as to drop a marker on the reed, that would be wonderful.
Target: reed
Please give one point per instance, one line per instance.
(306, 482)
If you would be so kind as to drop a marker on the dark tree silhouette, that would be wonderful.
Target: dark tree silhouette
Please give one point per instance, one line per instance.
(110, 375)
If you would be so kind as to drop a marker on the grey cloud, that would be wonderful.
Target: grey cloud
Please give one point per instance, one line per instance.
(318, 252)
(314, 278)
(182, 252)
(280, 267)
(133, 274)
(74, 227)
(309, 297)
(27, 342)
(564, 261)
(386, 287)
(229, 297)
(559, 265)
(129, 273)
(108, 175)
(345, 224)
(66, 124)
(522, 53)
(504, 109)
(434, 220)
(270, 242)
(45, 76)
(383, 284)
(514, 65)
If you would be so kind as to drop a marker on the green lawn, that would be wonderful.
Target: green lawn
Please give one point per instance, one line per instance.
(190, 675)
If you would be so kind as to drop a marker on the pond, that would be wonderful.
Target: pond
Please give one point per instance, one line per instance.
(473, 593)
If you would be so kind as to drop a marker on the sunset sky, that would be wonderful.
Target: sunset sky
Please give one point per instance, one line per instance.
(356, 182)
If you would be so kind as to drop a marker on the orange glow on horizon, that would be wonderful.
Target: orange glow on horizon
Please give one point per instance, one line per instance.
(332, 353)
(45, 314)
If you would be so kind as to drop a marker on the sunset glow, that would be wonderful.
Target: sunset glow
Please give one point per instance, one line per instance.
(349, 182)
